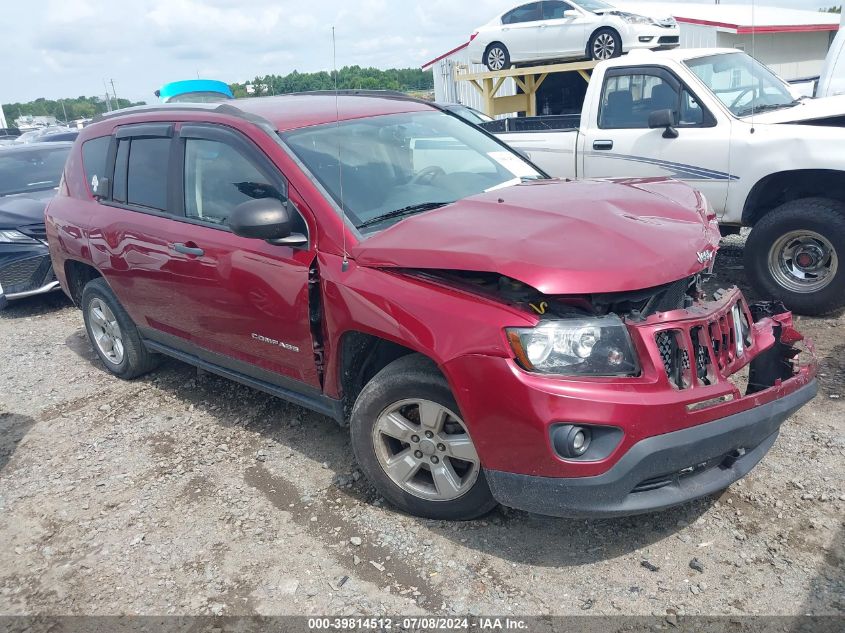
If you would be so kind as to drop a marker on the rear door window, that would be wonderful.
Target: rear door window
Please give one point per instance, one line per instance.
(526, 13)
(146, 181)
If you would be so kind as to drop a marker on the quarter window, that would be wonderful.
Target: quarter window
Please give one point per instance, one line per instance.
(146, 182)
(95, 155)
(218, 178)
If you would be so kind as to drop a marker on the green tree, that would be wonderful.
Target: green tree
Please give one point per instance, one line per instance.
(348, 78)
(833, 9)
(75, 108)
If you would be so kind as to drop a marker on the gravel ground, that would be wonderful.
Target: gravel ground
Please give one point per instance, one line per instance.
(182, 493)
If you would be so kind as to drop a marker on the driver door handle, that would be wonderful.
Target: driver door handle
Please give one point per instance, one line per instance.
(189, 249)
(602, 146)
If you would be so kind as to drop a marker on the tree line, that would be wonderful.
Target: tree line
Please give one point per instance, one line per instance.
(348, 78)
(64, 109)
(833, 9)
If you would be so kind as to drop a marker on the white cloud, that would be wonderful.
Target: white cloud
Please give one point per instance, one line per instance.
(75, 44)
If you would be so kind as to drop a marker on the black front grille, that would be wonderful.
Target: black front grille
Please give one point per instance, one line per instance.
(669, 39)
(24, 275)
(675, 358)
(37, 231)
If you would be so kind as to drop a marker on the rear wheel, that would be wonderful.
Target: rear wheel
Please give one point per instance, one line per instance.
(414, 447)
(497, 57)
(605, 44)
(796, 253)
(113, 334)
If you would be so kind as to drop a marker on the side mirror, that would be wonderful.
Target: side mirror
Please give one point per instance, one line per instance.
(265, 219)
(663, 119)
(570, 14)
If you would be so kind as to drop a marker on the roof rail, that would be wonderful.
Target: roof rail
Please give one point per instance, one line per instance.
(224, 107)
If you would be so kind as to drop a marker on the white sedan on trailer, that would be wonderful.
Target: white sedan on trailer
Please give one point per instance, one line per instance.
(540, 31)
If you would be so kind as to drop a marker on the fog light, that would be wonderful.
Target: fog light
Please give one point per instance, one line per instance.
(645, 38)
(572, 441)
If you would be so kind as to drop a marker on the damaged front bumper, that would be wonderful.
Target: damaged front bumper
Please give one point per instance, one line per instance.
(658, 472)
(718, 381)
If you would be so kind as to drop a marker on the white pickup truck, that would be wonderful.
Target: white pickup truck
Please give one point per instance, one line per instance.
(727, 125)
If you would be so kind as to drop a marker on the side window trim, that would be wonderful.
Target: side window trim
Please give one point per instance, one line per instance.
(708, 120)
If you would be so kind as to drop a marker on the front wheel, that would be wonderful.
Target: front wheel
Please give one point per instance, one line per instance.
(605, 44)
(796, 253)
(413, 446)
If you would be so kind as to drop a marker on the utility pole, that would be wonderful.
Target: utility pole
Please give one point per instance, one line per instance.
(108, 99)
(116, 102)
(3, 123)
(62, 101)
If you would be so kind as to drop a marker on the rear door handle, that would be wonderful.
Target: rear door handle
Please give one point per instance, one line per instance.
(188, 250)
(602, 146)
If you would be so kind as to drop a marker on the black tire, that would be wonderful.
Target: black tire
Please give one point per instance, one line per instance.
(593, 50)
(821, 216)
(413, 376)
(136, 358)
(497, 53)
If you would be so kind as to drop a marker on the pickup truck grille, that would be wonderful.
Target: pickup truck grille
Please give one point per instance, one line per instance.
(703, 352)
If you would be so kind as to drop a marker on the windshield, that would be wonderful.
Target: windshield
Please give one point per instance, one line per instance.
(742, 83)
(398, 164)
(594, 5)
(31, 170)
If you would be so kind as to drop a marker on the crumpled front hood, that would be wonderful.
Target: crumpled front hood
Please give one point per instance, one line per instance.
(25, 208)
(807, 110)
(561, 238)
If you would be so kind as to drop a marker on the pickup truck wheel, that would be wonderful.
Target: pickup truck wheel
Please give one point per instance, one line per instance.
(113, 334)
(605, 44)
(497, 57)
(412, 444)
(796, 253)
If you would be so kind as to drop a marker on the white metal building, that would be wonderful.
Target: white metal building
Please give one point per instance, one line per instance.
(793, 42)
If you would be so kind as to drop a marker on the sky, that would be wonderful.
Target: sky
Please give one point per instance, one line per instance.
(73, 46)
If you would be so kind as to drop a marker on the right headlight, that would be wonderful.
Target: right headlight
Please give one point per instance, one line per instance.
(637, 19)
(597, 346)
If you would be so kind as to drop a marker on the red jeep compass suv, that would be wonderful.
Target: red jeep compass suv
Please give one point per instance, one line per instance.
(489, 334)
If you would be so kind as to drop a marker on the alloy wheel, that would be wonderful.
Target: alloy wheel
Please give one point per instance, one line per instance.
(106, 331)
(496, 58)
(604, 46)
(803, 261)
(425, 450)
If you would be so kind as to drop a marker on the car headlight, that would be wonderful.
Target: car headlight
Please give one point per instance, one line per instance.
(598, 346)
(637, 19)
(10, 236)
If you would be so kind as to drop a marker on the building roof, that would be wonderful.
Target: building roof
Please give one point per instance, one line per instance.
(741, 18)
(732, 18)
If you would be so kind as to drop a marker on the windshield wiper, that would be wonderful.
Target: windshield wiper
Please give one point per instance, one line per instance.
(404, 211)
(767, 107)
